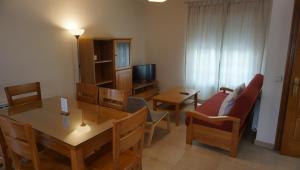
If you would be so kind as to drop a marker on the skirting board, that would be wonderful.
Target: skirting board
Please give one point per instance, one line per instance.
(264, 144)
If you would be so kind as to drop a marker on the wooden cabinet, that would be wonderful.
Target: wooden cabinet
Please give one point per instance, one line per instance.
(106, 62)
(122, 54)
(124, 80)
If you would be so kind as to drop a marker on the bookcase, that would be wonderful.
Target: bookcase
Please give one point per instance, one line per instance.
(106, 63)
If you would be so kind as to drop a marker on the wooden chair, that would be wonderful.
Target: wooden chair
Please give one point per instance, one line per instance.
(87, 93)
(21, 144)
(5, 160)
(153, 117)
(113, 98)
(22, 94)
(128, 139)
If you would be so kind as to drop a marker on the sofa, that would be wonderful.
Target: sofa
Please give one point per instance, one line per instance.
(205, 126)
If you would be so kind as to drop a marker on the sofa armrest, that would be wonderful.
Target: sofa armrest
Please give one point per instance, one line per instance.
(211, 119)
(225, 89)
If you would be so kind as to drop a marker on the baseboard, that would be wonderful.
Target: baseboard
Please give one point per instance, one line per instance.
(264, 144)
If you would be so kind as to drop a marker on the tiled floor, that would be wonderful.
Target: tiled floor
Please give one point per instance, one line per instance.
(169, 152)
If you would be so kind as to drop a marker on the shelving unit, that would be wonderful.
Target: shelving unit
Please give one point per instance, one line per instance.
(103, 61)
(106, 63)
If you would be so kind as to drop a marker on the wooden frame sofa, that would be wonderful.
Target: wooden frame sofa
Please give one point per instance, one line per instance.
(205, 126)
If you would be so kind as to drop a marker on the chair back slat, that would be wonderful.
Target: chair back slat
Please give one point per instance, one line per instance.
(27, 99)
(132, 122)
(21, 94)
(113, 98)
(87, 93)
(131, 139)
(20, 141)
(4, 156)
(19, 147)
(129, 133)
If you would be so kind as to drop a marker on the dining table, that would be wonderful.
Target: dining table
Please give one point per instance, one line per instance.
(77, 134)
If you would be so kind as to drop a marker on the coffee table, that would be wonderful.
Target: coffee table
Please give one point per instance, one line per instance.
(175, 97)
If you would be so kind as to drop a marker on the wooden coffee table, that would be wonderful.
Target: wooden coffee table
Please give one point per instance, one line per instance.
(175, 97)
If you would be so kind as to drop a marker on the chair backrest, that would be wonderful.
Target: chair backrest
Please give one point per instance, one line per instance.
(128, 133)
(113, 98)
(20, 141)
(136, 103)
(87, 93)
(5, 161)
(22, 94)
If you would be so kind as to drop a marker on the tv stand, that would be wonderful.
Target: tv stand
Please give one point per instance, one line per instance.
(146, 89)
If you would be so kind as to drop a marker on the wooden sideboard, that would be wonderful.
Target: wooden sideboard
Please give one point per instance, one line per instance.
(145, 90)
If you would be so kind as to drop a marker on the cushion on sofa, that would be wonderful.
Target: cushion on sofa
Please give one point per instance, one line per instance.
(228, 102)
(211, 107)
(241, 108)
(247, 99)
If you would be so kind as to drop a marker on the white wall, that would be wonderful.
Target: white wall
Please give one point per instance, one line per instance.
(276, 54)
(35, 46)
(165, 41)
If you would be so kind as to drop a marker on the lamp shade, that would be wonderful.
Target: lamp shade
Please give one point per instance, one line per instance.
(77, 32)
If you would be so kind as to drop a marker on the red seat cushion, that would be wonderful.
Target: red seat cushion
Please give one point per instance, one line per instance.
(211, 108)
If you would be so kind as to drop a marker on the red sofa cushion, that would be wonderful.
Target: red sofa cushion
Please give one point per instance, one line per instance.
(241, 108)
(246, 100)
(211, 107)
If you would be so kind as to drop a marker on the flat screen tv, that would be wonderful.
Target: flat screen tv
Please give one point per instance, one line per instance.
(142, 73)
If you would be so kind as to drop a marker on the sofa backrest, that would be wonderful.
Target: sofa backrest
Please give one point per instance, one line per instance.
(247, 99)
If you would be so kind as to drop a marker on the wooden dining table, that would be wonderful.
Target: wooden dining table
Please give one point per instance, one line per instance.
(87, 128)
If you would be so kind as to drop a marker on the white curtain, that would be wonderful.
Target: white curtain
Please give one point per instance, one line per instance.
(225, 43)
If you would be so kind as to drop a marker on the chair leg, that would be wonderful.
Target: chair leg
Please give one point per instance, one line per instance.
(233, 152)
(168, 122)
(151, 132)
(189, 134)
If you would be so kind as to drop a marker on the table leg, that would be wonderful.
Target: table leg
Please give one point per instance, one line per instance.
(154, 104)
(177, 112)
(77, 159)
(195, 100)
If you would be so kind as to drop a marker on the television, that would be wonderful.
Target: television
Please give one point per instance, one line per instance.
(143, 73)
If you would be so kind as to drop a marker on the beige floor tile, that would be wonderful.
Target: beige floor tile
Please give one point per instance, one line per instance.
(154, 164)
(164, 152)
(191, 160)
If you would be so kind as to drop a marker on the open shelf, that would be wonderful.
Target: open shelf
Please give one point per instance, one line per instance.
(103, 61)
(103, 50)
(104, 82)
(145, 90)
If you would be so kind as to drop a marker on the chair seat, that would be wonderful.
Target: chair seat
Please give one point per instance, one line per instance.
(128, 159)
(49, 160)
(157, 115)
